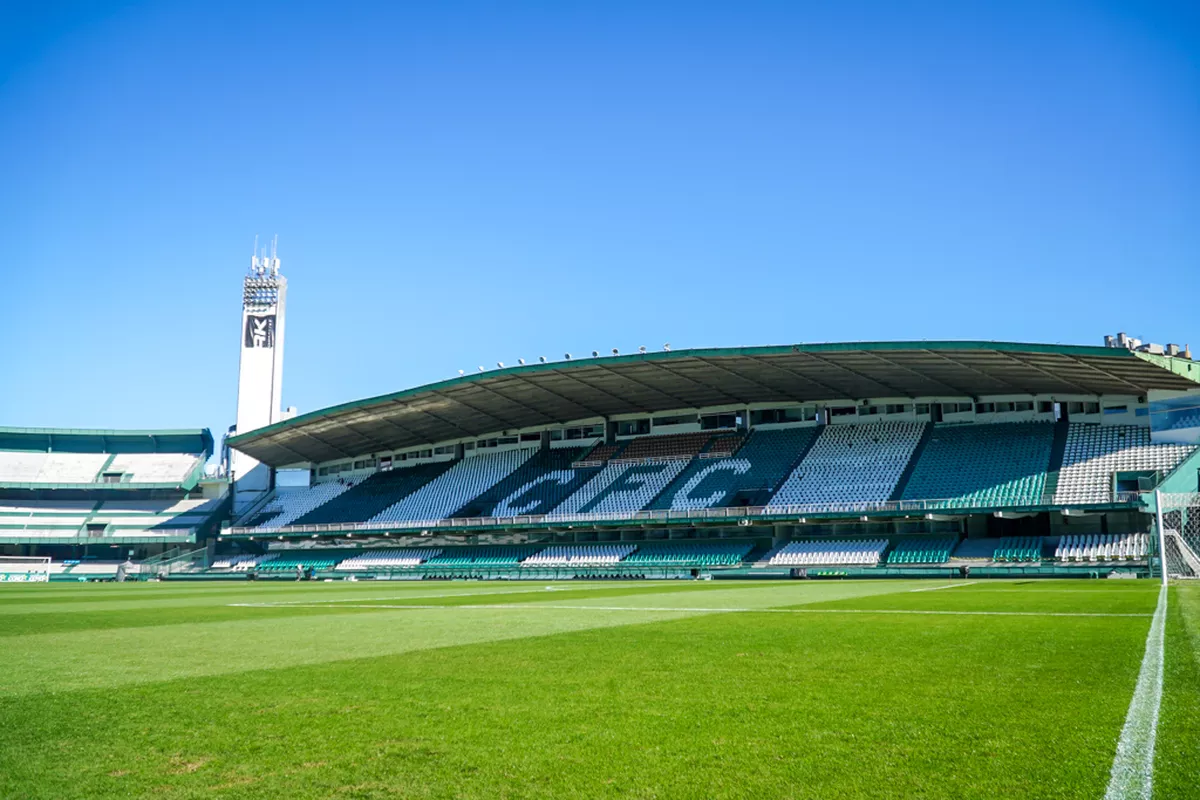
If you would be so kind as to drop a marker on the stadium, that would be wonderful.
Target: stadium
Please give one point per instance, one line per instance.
(694, 572)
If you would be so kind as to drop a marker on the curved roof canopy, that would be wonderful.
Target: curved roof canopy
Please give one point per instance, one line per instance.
(566, 391)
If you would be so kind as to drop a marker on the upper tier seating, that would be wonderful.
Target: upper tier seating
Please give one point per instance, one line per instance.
(370, 496)
(541, 483)
(922, 550)
(289, 504)
(1103, 547)
(621, 488)
(455, 487)
(118, 516)
(748, 478)
(486, 556)
(723, 445)
(391, 557)
(851, 464)
(816, 552)
(702, 554)
(153, 467)
(579, 555)
(601, 453)
(19, 466)
(659, 448)
(1095, 452)
(971, 466)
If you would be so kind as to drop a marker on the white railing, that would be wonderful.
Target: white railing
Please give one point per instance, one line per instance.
(737, 513)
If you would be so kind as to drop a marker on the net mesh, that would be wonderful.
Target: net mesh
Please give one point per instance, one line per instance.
(1181, 534)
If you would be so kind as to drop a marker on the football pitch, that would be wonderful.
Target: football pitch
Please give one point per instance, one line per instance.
(642, 689)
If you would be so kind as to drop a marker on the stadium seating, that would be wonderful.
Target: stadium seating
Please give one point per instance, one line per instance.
(851, 464)
(290, 503)
(815, 552)
(699, 554)
(922, 550)
(316, 560)
(670, 446)
(1103, 547)
(455, 487)
(1013, 549)
(599, 455)
(761, 463)
(621, 488)
(367, 498)
(391, 557)
(486, 556)
(723, 446)
(1094, 453)
(971, 466)
(152, 467)
(540, 484)
(19, 466)
(579, 555)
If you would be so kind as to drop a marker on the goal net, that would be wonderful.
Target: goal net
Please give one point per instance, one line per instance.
(23, 569)
(1181, 533)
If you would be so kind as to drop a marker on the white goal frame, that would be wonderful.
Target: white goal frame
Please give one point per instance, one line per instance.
(1178, 524)
(25, 569)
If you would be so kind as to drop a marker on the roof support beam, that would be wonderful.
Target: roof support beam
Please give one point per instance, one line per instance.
(420, 437)
(670, 397)
(954, 389)
(888, 387)
(591, 412)
(493, 390)
(1140, 390)
(1036, 368)
(324, 443)
(620, 400)
(378, 445)
(740, 376)
(296, 453)
(834, 392)
(445, 421)
(969, 368)
(699, 383)
(504, 423)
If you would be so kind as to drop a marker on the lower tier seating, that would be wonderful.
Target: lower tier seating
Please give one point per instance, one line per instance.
(1012, 549)
(315, 560)
(579, 555)
(541, 483)
(1103, 547)
(922, 550)
(703, 554)
(392, 557)
(817, 552)
(504, 555)
(455, 487)
(621, 488)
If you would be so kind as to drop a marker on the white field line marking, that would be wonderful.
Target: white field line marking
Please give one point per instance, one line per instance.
(1133, 767)
(694, 610)
(947, 586)
(313, 603)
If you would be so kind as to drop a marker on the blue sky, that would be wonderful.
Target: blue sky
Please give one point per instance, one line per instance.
(455, 184)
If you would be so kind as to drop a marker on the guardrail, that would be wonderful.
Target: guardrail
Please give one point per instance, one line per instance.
(738, 514)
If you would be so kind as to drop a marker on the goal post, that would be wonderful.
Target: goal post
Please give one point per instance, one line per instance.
(24, 569)
(1178, 523)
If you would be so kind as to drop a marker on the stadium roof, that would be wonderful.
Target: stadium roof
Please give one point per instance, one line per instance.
(644, 383)
(90, 440)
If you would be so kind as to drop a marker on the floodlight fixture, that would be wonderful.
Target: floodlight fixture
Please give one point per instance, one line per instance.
(595, 354)
(667, 347)
(461, 372)
(521, 361)
(642, 349)
(616, 352)
(500, 364)
(481, 367)
(567, 356)
(542, 359)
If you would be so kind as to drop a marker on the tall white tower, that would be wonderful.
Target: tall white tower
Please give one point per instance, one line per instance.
(260, 376)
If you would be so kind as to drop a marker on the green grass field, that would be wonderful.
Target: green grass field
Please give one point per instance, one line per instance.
(649, 690)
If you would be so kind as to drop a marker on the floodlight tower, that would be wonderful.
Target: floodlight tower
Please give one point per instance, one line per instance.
(260, 376)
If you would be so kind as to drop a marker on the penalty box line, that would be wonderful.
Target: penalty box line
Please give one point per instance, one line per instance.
(686, 609)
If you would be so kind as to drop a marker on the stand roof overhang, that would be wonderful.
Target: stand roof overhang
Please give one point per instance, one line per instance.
(645, 383)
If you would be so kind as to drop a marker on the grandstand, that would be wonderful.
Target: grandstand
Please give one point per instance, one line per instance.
(92, 499)
(880, 455)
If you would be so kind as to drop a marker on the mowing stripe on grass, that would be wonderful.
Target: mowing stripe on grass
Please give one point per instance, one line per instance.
(947, 586)
(690, 609)
(1133, 767)
(312, 603)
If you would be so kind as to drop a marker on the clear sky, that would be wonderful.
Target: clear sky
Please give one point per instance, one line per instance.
(456, 184)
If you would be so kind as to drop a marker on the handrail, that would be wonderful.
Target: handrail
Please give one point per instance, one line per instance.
(952, 505)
